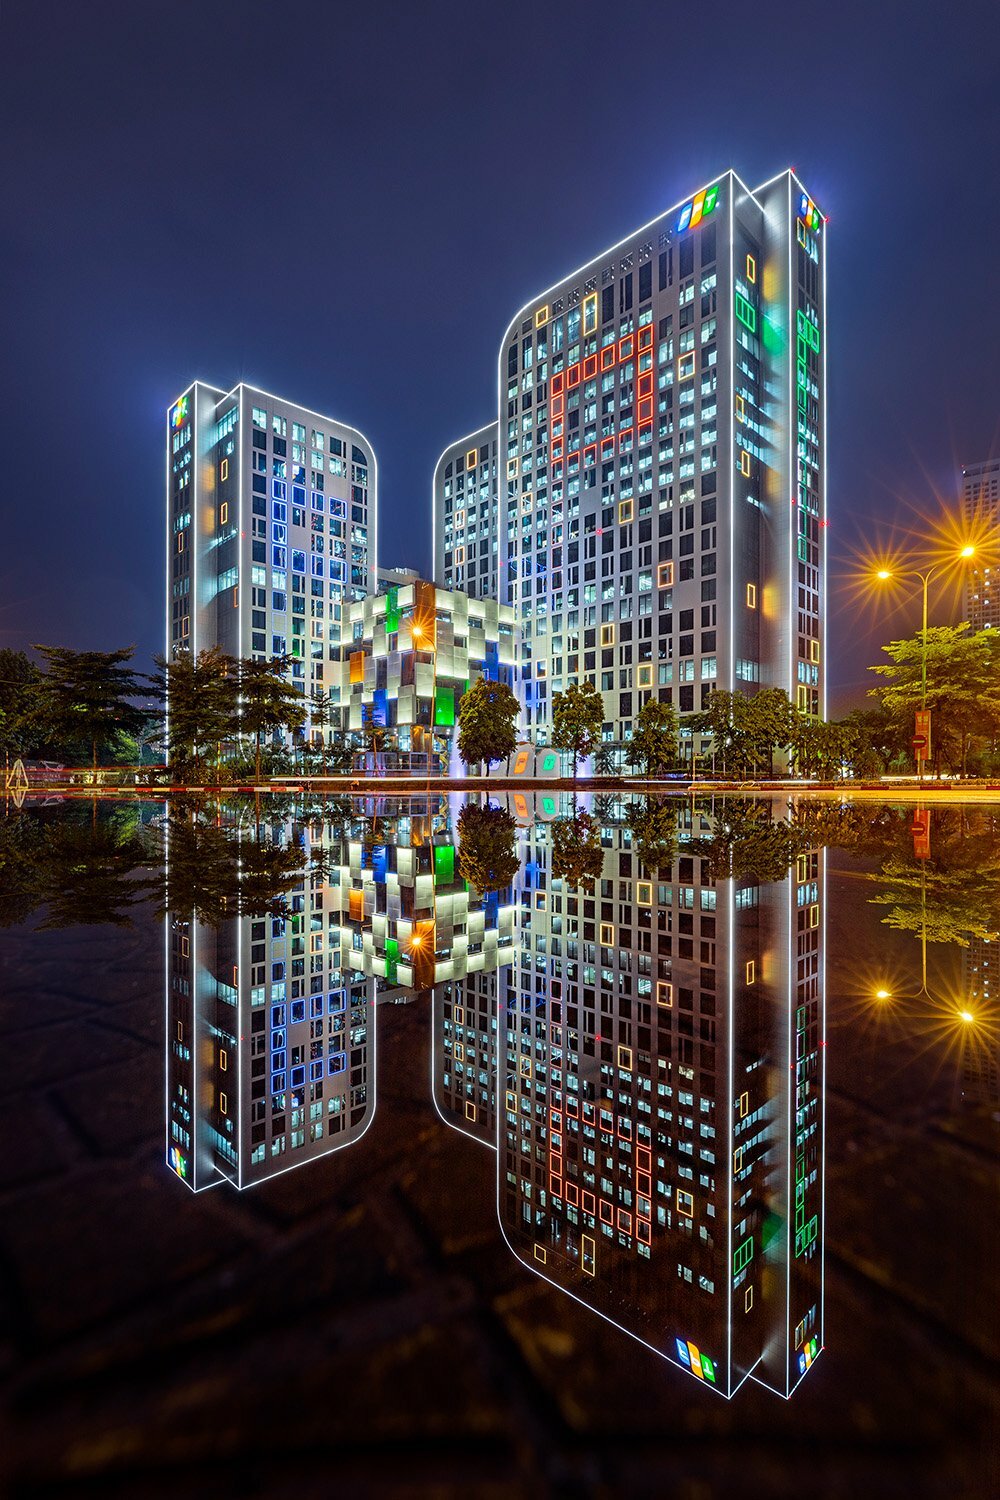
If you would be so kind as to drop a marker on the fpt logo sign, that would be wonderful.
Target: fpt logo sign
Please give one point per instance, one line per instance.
(699, 208)
(179, 414)
(809, 213)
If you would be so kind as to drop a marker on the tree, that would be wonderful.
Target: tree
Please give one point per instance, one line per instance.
(577, 855)
(746, 730)
(962, 692)
(20, 683)
(201, 704)
(268, 701)
(487, 850)
(653, 746)
(577, 720)
(816, 747)
(487, 718)
(87, 695)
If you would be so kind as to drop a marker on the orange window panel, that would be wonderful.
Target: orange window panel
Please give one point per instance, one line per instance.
(357, 666)
(646, 383)
(356, 905)
(557, 382)
(625, 347)
(572, 376)
(590, 367)
(644, 337)
(608, 357)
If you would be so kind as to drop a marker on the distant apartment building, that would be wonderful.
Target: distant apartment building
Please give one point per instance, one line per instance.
(465, 515)
(410, 655)
(661, 494)
(271, 529)
(980, 497)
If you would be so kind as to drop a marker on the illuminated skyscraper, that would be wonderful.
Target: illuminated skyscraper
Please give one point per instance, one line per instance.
(271, 528)
(981, 512)
(465, 518)
(661, 505)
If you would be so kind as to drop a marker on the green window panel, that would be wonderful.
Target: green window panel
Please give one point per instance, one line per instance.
(392, 611)
(743, 1256)
(746, 312)
(444, 864)
(444, 707)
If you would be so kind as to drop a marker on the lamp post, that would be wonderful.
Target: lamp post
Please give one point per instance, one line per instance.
(885, 575)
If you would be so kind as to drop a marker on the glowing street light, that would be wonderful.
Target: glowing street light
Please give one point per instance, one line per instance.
(886, 575)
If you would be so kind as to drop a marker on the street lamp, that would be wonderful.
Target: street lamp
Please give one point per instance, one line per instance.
(886, 575)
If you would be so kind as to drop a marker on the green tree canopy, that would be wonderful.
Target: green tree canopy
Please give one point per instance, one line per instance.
(577, 720)
(962, 686)
(268, 700)
(487, 719)
(201, 706)
(487, 850)
(20, 686)
(652, 749)
(87, 695)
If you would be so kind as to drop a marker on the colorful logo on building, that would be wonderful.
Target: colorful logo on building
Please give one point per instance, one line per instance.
(809, 213)
(807, 1355)
(180, 412)
(699, 208)
(698, 1363)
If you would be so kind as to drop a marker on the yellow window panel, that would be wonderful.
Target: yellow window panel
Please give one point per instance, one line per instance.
(541, 315)
(751, 596)
(624, 511)
(751, 269)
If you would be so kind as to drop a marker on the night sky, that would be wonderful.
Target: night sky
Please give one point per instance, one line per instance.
(345, 204)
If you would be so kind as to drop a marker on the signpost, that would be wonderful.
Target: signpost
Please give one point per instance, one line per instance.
(922, 738)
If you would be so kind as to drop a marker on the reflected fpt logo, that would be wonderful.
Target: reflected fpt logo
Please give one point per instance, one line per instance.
(699, 208)
(179, 414)
(699, 1364)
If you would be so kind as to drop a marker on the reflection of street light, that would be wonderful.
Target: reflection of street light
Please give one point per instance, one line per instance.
(885, 575)
(883, 994)
(967, 1016)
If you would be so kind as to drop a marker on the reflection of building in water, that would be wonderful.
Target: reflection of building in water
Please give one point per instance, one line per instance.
(270, 1035)
(980, 1065)
(661, 1144)
(465, 1011)
(407, 916)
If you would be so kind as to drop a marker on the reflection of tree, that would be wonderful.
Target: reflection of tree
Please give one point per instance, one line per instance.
(654, 830)
(80, 865)
(487, 851)
(748, 843)
(212, 873)
(953, 894)
(577, 855)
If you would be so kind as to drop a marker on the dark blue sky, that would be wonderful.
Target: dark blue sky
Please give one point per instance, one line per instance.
(346, 204)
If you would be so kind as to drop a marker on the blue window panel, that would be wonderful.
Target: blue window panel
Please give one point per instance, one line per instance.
(277, 1015)
(277, 1083)
(277, 489)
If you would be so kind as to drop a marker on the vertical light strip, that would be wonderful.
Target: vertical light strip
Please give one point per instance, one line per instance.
(824, 504)
(792, 501)
(731, 1111)
(822, 1144)
(241, 570)
(730, 303)
(166, 1003)
(791, 1076)
(195, 522)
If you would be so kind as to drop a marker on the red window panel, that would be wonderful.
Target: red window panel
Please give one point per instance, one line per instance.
(572, 377)
(608, 357)
(590, 367)
(644, 337)
(555, 1186)
(625, 347)
(558, 405)
(645, 409)
(644, 1232)
(557, 383)
(645, 386)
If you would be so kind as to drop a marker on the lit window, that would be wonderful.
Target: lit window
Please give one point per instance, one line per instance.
(751, 596)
